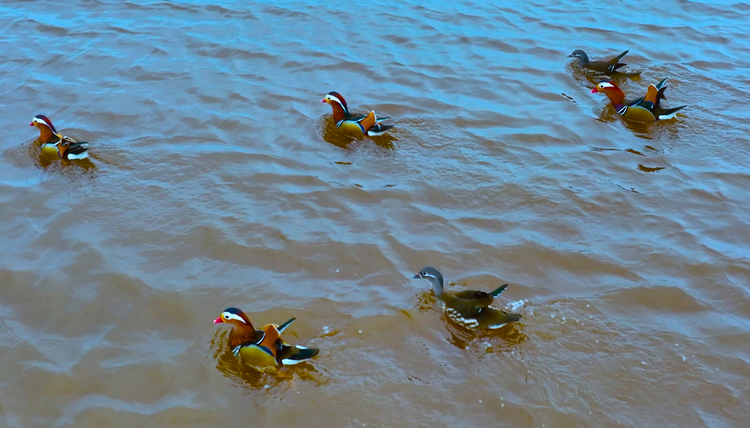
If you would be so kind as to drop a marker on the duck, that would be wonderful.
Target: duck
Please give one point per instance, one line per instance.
(605, 67)
(264, 348)
(54, 142)
(355, 125)
(468, 308)
(645, 109)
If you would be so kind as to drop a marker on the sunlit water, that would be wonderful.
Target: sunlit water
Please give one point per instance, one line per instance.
(217, 179)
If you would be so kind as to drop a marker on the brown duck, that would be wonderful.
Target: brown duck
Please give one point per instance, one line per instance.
(605, 67)
(469, 308)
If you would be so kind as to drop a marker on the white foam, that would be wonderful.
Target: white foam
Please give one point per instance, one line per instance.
(516, 306)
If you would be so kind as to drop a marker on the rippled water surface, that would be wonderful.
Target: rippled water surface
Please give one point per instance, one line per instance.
(217, 179)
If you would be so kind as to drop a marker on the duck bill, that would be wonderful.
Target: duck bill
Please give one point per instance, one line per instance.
(31, 124)
(594, 91)
(218, 321)
(571, 56)
(323, 101)
(417, 276)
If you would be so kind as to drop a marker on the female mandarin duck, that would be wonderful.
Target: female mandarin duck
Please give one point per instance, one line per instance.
(54, 142)
(469, 308)
(261, 348)
(354, 125)
(645, 109)
(605, 67)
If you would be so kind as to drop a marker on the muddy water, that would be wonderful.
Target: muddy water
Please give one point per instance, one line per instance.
(218, 180)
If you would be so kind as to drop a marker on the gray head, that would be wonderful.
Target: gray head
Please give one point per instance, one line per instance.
(436, 279)
(581, 56)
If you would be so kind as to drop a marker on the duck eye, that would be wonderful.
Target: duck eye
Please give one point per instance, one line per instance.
(424, 273)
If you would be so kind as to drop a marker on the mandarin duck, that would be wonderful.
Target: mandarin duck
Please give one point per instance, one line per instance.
(645, 109)
(261, 348)
(469, 308)
(355, 125)
(53, 142)
(605, 67)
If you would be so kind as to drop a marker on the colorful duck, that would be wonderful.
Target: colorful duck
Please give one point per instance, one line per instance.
(264, 348)
(469, 308)
(604, 67)
(354, 125)
(644, 109)
(54, 142)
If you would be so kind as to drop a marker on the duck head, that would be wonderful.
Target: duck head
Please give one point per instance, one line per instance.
(46, 128)
(242, 329)
(581, 56)
(338, 104)
(434, 277)
(612, 91)
(235, 318)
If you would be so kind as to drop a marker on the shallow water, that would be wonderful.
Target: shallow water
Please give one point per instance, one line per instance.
(218, 180)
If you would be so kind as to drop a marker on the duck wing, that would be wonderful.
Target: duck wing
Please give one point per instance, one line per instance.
(609, 66)
(494, 318)
(469, 303)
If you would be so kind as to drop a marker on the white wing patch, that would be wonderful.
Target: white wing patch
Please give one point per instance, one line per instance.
(667, 116)
(496, 326)
(456, 317)
(83, 155)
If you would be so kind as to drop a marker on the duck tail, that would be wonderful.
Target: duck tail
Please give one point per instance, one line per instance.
(669, 113)
(499, 290)
(615, 63)
(379, 128)
(661, 86)
(299, 354)
(285, 325)
(75, 150)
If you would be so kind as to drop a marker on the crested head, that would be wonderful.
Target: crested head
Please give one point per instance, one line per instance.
(434, 277)
(43, 120)
(235, 317)
(335, 97)
(581, 56)
(612, 91)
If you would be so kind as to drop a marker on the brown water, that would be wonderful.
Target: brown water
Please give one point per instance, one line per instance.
(218, 180)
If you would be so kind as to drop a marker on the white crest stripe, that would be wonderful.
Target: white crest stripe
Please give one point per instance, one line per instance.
(232, 316)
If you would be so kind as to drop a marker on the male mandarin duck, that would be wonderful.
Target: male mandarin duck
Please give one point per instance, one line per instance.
(469, 308)
(261, 348)
(354, 125)
(54, 142)
(605, 67)
(645, 109)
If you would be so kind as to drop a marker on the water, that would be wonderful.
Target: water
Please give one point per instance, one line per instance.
(218, 180)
